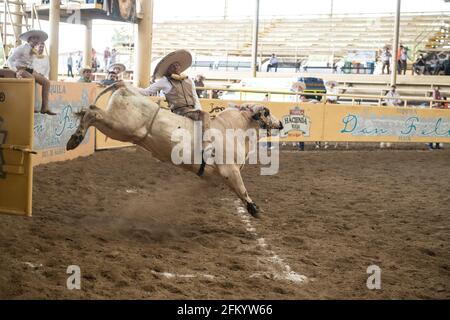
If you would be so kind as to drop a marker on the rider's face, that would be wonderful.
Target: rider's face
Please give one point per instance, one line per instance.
(175, 68)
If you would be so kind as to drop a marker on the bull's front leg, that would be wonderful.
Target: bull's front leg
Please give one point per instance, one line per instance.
(232, 176)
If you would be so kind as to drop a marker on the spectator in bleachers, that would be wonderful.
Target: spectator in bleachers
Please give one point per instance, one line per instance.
(118, 68)
(21, 62)
(419, 65)
(79, 60)
(332, 92)
(437, 96)
(273, 63)
(386, 59)
(393, 98)
(113, 56)
(199, 83)
(298, 64)
(111, 78)
(444, 104)
(402, 60)
(106, 57)
(85, 75)
(434, 65)
(446, 66)
(70, 65)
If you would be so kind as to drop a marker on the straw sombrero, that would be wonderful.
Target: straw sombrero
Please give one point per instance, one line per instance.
(84, 69)
(37, 33)
(183, 57)
(121, 66)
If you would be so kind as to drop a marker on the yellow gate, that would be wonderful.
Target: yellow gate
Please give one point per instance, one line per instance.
(16, 143)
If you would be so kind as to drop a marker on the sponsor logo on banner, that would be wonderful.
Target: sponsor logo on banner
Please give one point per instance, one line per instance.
(295, 122)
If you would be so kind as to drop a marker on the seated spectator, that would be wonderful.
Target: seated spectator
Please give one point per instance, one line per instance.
(273, 63)
(434, 65)
(21, 61)
(41, 63)
(112, 78)
(444, 104)
(419, 65)
(393, 98)
(85, 75)
(117, 68)
(332, 92)
(437, 96)
(298, 64)
(446, 66)
(199, 83)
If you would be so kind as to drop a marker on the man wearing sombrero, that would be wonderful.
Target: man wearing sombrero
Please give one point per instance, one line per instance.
(117, 68)
(21, 61)
(179, 89)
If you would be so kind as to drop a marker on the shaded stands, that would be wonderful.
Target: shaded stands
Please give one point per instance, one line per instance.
(299, 37)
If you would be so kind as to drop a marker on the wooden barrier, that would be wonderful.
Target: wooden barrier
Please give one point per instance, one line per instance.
(16, 144)
(336, 122)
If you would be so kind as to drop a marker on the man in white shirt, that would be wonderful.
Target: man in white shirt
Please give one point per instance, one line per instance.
(21, 61)
(393, 98)
(332, 92)
(273, 63)
(179, 90)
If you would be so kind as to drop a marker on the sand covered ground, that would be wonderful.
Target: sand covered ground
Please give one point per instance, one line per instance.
(142, 229)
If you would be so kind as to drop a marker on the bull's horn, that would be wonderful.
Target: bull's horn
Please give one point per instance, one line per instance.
(111, 87)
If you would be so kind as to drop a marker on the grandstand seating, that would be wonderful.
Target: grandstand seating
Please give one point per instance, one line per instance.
(293, 38)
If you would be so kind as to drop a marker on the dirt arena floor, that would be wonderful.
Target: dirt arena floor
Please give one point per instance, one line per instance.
(141, 229)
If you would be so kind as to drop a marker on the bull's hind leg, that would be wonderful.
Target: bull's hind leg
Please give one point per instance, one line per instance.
(232, 176)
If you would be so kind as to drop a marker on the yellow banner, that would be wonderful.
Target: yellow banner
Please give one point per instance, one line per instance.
(336, 122)
(16, 143)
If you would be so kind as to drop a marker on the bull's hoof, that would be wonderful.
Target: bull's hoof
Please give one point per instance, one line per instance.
(253, 209)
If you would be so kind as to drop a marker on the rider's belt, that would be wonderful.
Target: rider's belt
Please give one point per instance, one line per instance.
(173, 108)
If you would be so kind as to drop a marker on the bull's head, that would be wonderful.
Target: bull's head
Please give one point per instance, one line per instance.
(263, 117)
(87, 117)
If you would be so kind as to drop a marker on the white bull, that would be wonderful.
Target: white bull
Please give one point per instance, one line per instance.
(131, 117)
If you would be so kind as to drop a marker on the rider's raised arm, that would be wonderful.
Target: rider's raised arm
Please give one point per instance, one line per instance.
(162, 84)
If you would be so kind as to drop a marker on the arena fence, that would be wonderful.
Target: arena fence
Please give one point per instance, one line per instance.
(22, 133)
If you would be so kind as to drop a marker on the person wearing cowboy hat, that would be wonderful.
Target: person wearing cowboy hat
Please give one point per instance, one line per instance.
(21, 61)
(117, 68)
(179, 91)
(85, 75)
(110, 79)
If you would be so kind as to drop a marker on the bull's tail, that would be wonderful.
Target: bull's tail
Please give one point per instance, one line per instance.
(113, 87)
